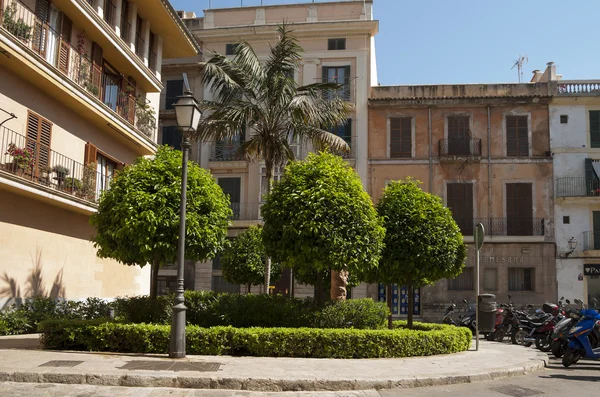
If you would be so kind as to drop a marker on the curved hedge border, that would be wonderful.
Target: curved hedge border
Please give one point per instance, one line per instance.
(265, 342)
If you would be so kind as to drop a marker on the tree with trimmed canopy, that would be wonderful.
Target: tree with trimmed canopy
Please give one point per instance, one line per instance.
(319, 217)
(138, 216)
(423, 243)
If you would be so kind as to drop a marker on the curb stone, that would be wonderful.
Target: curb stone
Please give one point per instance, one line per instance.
(268, 384)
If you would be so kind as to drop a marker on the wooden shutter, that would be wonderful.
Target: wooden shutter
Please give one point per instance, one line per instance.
(595, 128)
(459, 135)
(174, 89)
(517, 139)
(519, 209)
(40, 26)
(91, 154)
(459, 198)
(231, 187)
(39, 135)
(97, 61)
(66, 31)
(401, 137)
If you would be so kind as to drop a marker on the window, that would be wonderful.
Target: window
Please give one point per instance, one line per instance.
(230, 49)
(232, 188)
(106, 171)
(39, 134)
(517, 139)
(340, 75)
(139, 38)
(595, 128)
(166, 285)
(566, 220)
(276, 177)
(174, 90)
(171, 135)
(400, 137)
(564, 118)
(125, 25)
(521, 279)
(336, 44)
(490, 279)
(344, 131)
(220, 285)
(459, 135)
(519, 209)
(110, 10)
(459, 198)
(463, 282)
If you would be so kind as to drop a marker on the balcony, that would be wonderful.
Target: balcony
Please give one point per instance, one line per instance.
(346, 93)
(51, 171)
(578, 88)
(226, 151)
(504, 226)
(591, 241)
(245, 211)
(73, 62)
(577, 187)
(459, 149)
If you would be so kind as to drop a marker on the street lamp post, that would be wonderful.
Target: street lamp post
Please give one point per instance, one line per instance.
(188, 116)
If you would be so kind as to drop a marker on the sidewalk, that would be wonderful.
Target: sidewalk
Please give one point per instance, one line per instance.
(492, 361)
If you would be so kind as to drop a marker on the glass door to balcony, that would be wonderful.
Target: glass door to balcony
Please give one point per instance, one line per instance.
(459, 135)
(53, 35)
(110, 87)
(232, 188)
(459, 198)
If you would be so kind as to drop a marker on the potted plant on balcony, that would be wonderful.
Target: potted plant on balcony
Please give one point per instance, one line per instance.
(146, 120)
(88, 182)
(61, 173)
(72, 185)
(22, 159)
(45, 172)
(17, 27)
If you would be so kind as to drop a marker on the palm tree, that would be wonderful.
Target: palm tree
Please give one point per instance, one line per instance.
(264, 99)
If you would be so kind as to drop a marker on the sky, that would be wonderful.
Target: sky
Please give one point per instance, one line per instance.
(472, 41)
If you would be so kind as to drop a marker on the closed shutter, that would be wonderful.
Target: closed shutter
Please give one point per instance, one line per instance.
(517, 139)
(591, 179)
(91, 153)
(595, 128)
(39, 135)
(596, 232)
(400, 137)
(459, 198)
(231, 187)
(459, 135)
(171, 135)
(174, 90)
(65, 44)
(96, 75)
(40, 26)
(519, 209)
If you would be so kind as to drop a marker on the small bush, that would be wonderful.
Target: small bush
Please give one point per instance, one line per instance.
(355, 313)
(14, 322)
(266, 342)
(142, 309)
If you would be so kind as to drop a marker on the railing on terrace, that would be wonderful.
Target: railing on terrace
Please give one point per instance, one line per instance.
(511, 226)
(352, 142)
(245, 211)
(591, 240)
(459, 147)
(41, 165)
(577, 187)
(578, 87)
(74, 63)
(226, 151)
(347, 91)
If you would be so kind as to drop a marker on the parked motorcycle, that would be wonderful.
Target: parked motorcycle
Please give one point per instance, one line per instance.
(530, 327)
(560, 339)
(467, 320)
(584, 337)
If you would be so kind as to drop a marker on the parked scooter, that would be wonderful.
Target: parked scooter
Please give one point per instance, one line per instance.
(467, 320)
(584, 337)
(560, 339)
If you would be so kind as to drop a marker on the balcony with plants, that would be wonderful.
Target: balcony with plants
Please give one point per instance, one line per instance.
(49, 170)
(111, 91)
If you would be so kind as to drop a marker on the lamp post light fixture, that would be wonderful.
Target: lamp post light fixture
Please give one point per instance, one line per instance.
(572, 245)
(188, 114)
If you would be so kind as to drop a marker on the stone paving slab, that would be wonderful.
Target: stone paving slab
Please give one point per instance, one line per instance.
(492, 361)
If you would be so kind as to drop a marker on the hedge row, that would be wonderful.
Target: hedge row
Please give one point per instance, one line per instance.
(265, 342)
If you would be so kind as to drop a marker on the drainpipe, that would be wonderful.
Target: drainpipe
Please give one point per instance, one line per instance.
(430, 150)
(489, 146)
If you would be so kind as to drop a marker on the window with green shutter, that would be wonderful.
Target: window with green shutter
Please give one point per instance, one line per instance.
(595, 128)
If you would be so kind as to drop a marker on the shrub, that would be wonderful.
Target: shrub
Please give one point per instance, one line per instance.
(355, 313)
(14, 322)
(142, 309)
(268, 342)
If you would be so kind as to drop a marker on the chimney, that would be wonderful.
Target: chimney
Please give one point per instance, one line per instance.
(537, 75)
(551, 71)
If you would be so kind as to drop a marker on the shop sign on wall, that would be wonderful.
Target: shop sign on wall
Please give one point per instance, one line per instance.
(591, 270)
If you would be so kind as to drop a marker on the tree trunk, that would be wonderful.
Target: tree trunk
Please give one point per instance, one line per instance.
(154, 279)
(269, 170)
(339, 282)
(390, 301)
(411, 303)
(319, 288)
(249, 287)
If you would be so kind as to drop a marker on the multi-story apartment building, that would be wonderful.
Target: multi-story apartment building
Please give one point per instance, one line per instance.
(485, 150)
(575, 145)
(80, 82)
(338, 43)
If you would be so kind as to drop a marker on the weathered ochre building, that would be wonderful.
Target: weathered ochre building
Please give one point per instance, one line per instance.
(485, 150)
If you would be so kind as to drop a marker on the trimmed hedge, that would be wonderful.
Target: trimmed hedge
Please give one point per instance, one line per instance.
(267, 342)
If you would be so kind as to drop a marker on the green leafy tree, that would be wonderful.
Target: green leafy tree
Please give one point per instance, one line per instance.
(264, 99)
(423, 243)
(138, 216)
(243, 260)
(319, 217)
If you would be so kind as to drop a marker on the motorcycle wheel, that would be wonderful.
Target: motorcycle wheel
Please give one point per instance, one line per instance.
(558, 347)
(513, 335)
(571, 357)
(491, 336)
(520, 338)
(499, 335)
(542, 342)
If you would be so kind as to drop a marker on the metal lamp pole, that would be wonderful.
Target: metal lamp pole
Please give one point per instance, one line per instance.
(188, 115)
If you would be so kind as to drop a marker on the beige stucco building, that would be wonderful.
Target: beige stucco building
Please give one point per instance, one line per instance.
(338, 43)
(80, 82)
(485, 150)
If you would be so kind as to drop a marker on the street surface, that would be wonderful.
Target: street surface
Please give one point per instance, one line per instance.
(555, 381)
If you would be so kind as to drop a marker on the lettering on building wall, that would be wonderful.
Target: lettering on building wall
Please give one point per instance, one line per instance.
(487, 256)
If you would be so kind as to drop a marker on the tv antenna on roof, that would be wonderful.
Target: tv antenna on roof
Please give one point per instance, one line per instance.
(521, 60)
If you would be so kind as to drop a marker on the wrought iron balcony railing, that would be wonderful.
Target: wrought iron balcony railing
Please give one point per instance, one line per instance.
(245, 211)
(459, 147)
(43, 166)
(577, 187)
(591, 240)
(511, 226)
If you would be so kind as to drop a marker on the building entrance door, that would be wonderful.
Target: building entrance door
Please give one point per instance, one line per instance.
(593, 292)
